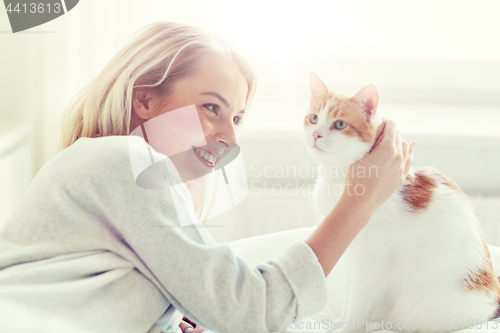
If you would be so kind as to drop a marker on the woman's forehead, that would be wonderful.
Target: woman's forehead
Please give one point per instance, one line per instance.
(217, 75)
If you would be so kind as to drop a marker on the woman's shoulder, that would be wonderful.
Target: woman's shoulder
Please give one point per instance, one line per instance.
(94, 175)
(95, 168)
(100, 148)
(93, 158)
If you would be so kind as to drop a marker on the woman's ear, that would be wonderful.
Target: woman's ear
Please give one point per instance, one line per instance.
(141, 103)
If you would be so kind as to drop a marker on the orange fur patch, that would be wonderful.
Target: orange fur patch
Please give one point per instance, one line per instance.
(485, 280)
(419, 189)
(481, 280)
(353, 114)
(450, 183)
(316, 105)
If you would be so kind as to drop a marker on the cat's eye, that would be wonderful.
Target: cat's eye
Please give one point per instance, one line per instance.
(313, 119)
(340, 124)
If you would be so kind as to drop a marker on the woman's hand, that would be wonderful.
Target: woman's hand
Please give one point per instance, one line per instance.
(186, 327)
(374, 178)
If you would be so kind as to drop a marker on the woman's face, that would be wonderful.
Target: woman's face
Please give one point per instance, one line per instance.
(219, 91)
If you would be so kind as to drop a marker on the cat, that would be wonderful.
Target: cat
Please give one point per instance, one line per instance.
(421, 263)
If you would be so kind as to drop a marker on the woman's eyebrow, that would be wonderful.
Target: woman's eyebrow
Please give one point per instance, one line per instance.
(222, 99)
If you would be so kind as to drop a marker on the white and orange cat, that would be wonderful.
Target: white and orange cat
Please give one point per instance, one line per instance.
(422, 258)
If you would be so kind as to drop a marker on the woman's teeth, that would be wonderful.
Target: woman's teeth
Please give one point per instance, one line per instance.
(205, 155)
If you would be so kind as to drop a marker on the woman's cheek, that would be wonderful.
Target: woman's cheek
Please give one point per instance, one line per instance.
(206, 123)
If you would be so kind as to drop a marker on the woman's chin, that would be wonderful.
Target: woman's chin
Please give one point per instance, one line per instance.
(198, 181)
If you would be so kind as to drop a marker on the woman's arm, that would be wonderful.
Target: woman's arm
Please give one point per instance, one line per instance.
(224, 292)
(393, 158)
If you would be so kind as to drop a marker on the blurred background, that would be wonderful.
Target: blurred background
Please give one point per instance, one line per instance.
(436, 64)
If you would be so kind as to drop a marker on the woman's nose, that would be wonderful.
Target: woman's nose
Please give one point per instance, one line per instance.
(226, 134)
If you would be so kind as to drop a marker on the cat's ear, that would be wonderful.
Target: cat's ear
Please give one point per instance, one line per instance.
(368, 97)
(318, 88)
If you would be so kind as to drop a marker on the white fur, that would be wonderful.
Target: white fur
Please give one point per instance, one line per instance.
(404, 266)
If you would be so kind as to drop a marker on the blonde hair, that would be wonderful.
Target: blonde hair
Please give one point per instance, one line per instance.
(158, 56)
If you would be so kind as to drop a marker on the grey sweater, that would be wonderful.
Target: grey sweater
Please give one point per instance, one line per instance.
(90, 248)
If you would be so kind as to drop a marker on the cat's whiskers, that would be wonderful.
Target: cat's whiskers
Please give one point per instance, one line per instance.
(291, 150)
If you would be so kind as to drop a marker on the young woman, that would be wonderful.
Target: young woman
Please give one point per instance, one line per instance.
(90, 248)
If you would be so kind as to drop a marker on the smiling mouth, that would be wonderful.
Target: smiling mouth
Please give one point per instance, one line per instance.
(206, 156)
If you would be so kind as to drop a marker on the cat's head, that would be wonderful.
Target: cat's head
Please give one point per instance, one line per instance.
(339, 130)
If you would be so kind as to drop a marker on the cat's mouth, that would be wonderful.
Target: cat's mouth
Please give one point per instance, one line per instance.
(316, 148)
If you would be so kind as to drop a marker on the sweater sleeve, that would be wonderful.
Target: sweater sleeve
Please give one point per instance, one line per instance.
(220, 291)
(204, 280)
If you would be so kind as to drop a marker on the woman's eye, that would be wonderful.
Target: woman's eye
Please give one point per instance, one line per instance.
(313, 119)
(237, 120)
(340, 124)
(212, 107)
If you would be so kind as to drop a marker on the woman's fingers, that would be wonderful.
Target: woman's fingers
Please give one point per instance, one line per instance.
(390, 131)
(409, 159)
(379, 134)
(387, 147)
(405, 150)
(405, 147)
(391, 159)
(390, 142)
(199, 329)
(399, 150)
(186, 327)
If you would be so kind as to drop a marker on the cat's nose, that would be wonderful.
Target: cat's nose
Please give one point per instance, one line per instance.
(317, 135)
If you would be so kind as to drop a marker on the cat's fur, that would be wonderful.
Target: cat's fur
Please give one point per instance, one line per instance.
(422, 257)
